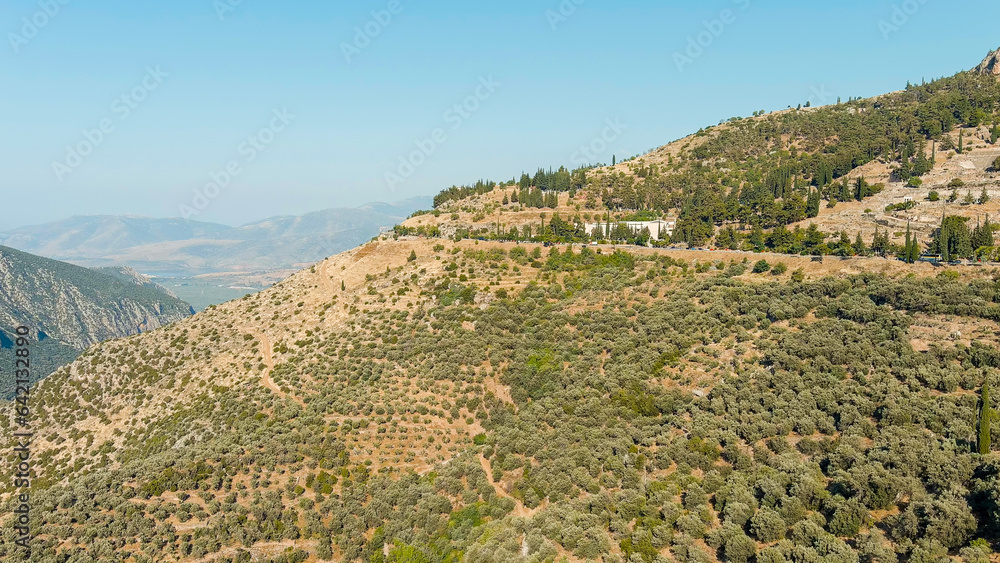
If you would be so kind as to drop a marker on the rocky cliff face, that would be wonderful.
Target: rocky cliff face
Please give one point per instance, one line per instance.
(131, 276)
(77, 306)
(990, 65)
(69, 308)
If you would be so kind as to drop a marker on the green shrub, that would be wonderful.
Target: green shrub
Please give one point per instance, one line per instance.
(768, 526)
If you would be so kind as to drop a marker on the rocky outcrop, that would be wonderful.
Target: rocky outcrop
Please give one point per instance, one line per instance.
(75, 306)
(990, 65)
(131, 276)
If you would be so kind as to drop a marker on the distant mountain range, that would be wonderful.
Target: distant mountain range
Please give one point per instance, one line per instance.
(179, 247)
(69, 308)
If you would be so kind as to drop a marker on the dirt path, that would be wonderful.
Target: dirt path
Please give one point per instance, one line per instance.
(265, 378)
(519, 508)
(329, 287)
(258, 550)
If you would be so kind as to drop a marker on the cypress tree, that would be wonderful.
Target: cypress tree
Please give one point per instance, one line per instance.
(961, 141)
(943, 243)
(908, 246)
(985, 418)
(845, 191)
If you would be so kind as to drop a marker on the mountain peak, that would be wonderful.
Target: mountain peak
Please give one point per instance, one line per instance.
(990, 65)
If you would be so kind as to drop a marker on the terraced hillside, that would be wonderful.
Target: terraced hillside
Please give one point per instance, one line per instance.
(423, 400)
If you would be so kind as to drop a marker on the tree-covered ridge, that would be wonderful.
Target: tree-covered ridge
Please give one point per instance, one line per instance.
(774, 170)
(561, 180)
(777, 169)
(615, 407)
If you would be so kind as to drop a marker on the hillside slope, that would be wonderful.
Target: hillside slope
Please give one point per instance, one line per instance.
(417, 401)
(69, 308)
(420, 399)
(851, 169)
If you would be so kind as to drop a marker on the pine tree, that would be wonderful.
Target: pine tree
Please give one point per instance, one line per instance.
(986, 415)
(812, 204)
(982, 235)
(525, 182)
(983, 197)
(859, 245)
(756, 239)
(880, 242)
(922, 165)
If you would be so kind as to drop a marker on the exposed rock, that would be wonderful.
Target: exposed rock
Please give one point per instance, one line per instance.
(129, 275)
(68, 308)
(77, 306)
(990, 65)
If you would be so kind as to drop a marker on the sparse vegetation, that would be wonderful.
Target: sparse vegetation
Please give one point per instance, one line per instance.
(497, 402)
(569, 401)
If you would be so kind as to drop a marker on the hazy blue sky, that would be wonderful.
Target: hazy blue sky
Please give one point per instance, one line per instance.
(200, 77)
